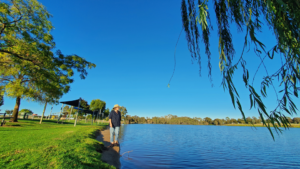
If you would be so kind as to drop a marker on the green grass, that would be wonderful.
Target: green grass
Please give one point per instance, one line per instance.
(28, 144)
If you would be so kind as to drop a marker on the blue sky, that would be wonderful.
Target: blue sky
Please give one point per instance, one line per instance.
(132, 43)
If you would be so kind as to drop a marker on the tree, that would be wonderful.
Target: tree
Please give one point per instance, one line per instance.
(249, 120)
(129, 119)
(227, 121)
(84, 104)
(123, 111)
(241, 121)
(33, 71)
(25, 27)
(27, 111)
(217, 122)
(97, 105)
(234, 121)
(257, 120)
(290, 120)
(296, 120)
(9, 112)
(66, 108)
(284, 19)
(254, 120)
(106, 112)
(208, 120)
(45, 85)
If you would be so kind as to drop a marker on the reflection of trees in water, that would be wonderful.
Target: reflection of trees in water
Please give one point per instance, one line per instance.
(125, 154)
(121, 132)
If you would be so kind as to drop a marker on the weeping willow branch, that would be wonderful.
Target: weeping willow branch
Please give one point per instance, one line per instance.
(282, 17)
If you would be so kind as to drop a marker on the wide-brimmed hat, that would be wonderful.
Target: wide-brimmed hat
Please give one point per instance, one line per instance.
(115, 106)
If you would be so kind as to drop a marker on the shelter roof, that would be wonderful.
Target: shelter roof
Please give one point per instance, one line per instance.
(72, 103)
(75, 104)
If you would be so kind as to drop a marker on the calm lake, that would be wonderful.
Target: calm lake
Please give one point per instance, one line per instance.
(190, 146)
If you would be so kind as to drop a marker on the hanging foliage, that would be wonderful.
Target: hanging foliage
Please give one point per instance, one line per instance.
(284, 19)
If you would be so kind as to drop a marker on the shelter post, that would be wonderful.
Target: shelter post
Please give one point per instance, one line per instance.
(60, 112)
(77, 113)
(70, 112)
(50, 113)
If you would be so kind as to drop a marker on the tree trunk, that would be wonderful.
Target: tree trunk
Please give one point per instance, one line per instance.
(43, 113)
(16, 110)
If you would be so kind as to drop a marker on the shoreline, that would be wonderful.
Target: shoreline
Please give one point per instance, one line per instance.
(237, 125)
(112, 155)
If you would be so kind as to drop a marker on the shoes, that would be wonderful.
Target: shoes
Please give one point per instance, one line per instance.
(111, 145)
(114, 144)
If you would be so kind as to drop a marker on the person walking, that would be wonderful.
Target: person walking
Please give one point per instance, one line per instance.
(114, 124)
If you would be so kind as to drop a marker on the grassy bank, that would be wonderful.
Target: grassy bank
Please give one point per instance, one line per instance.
(28, 144)
(259, 125)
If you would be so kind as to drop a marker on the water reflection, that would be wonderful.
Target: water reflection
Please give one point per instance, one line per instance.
(188, 146)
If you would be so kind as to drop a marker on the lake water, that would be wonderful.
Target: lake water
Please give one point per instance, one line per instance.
(191, 146)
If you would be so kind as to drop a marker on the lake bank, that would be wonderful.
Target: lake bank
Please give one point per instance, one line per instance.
(111, 155)
(240, 125)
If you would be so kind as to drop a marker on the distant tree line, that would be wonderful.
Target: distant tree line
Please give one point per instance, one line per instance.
(173, 119)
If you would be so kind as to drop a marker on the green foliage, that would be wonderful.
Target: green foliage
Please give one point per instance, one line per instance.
(9, 112)
(50, 145)
(97, 105)
(123, 111)
(33, 71)
(27, 111)
(208, 120)
(25, 30)
(173, 119)
(217, 122)
(240, 121)
(282, 17)
(106, 112)
(84, 104)
(233, 121)
(66, 108)
(296, 120)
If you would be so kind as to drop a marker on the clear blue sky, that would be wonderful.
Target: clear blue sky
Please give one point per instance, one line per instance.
(132, 43)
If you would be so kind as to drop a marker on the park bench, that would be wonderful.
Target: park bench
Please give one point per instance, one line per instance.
(3, 121)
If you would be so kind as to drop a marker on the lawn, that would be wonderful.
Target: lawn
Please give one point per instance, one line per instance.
(28, 144)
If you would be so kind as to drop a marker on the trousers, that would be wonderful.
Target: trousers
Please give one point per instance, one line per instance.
(114, 131)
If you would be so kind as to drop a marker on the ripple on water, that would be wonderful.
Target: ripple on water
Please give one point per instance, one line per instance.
(188, 146)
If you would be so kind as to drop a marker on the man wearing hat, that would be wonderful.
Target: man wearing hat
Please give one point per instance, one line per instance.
(114, 124)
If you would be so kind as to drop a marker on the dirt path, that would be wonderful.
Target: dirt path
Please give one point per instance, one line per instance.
(112, 155)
